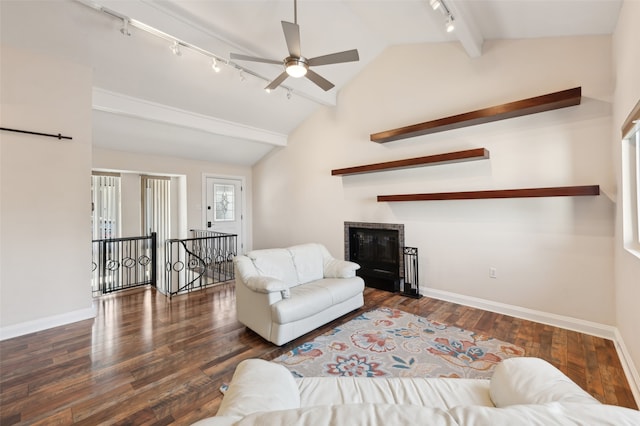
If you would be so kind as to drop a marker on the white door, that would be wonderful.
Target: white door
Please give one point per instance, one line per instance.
(223, 207)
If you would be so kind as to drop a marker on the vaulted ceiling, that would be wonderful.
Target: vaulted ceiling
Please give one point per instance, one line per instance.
(146, 99)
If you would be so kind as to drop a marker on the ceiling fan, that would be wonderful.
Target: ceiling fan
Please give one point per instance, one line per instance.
(296, 65)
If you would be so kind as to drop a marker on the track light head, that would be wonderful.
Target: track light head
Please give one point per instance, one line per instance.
(450, 26)
(435, 4)
(214, 65)
(175, 48)
(125, 27)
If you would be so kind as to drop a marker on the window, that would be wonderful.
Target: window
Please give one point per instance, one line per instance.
(105, 205)
(631, 182)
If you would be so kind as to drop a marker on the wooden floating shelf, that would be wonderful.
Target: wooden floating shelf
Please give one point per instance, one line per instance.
(548, 102)
(560, 191)
(449, 157)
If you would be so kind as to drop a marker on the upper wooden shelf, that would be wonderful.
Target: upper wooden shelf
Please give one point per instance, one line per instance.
(560, 191)
(534, 105)
(449, 157)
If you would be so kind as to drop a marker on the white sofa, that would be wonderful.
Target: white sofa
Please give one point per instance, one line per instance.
(284, 293)
(522, 391)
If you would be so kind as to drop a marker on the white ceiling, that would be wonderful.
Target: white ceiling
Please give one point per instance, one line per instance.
(156, 102)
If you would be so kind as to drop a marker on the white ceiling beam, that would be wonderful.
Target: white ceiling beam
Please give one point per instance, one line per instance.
(466, 30)
(117, 103)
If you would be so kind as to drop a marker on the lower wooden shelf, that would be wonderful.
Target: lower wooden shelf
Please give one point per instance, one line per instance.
(559, 191)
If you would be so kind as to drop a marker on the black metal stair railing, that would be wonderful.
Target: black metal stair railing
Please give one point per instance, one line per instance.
(199, 262)
(122, 263)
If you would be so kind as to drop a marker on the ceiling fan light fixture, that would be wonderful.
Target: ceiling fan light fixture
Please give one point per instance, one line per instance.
(296, 67)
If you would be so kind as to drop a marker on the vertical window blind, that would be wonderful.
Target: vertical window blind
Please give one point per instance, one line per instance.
(156, 217)
(156, 206)
(105, 194)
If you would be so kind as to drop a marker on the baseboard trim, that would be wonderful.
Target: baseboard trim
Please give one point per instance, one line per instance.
(569, 323)
(40, 324)
(627, 365)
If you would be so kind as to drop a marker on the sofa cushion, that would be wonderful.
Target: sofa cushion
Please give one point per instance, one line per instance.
(304, 301)
(429, 392)
(552, 413)
(353, 414)
(308, 262)
(525, 380)
(275, 263)
(259, 385)
(340, 289)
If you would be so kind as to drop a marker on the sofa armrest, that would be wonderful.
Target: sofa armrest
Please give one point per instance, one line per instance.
(259, 385)
(266, 284)
(526, 380)
(336, 268)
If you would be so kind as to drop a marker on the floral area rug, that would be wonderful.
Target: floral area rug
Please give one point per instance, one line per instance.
(392, 343)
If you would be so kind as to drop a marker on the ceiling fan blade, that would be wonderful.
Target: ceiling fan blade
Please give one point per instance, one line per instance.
(335, 58)
(292, 36)
(319, 80)
(254, 59)
(278, 81)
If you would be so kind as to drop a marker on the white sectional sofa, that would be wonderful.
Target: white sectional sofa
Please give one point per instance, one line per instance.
(522, 391)
(284, 293)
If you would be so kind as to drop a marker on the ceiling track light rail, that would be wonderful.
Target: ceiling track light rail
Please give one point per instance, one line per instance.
(177, 45)
(442, 7)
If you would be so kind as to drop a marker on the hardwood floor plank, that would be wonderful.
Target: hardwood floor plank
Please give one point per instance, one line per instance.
(63, 417)
(150, 360)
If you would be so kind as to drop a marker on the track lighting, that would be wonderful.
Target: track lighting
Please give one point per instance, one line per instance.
(125, 27)
(214, 65)
(175, 48)
(442, 7)
(177, 45)
(450, 26)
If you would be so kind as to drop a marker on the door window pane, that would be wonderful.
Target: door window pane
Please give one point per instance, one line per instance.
(224, 196)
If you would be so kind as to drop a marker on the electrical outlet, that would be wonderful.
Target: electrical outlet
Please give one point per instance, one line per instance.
(492, 272)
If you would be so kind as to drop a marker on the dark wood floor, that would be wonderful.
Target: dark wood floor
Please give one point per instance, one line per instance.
(148, 360)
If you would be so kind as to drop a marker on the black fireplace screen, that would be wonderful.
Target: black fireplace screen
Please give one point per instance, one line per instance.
(375, 248)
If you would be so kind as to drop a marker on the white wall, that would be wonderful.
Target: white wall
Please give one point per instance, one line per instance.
(551, 254)
(627, 93)
(192, 170)
(45, 215)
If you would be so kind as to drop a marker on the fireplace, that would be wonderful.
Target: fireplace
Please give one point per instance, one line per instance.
(378, 249)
